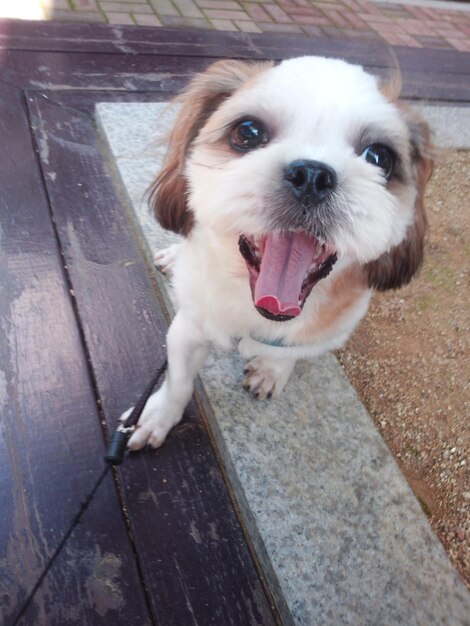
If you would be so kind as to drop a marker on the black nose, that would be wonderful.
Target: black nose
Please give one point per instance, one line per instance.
(310, 179)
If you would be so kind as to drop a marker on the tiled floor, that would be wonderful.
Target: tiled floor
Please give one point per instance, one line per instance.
(398, 24)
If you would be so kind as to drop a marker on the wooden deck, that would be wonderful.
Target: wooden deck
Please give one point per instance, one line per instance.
(82, 328)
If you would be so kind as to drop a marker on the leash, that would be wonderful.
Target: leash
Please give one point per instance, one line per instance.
(114, 456)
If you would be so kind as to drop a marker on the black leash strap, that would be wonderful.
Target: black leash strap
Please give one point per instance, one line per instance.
(114, 456)
(75, 521)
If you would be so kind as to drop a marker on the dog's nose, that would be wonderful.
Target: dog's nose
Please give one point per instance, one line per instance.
(310, 179)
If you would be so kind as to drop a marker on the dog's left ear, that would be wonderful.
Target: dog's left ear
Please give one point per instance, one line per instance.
(396, 267)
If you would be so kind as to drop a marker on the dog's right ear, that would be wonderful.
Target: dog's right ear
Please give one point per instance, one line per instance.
(199, 101)
(396, 267)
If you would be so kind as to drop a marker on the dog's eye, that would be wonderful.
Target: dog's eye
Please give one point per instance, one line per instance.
(248, 134)
(382, 157)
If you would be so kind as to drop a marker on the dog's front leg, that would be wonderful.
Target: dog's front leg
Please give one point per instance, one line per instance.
(187, 350)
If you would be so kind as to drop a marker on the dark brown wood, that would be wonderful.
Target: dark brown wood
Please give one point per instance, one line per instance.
(75, 37)
(183, 521)
(127, 57)
(161, 73)
(51, 442)
(97, 72)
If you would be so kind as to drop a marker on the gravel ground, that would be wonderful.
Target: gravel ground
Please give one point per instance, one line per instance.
(410, 362)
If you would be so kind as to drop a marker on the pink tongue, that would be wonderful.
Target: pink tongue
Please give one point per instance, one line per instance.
(286, 259)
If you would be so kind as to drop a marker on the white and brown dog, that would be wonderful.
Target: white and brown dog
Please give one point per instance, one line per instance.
(298, 188)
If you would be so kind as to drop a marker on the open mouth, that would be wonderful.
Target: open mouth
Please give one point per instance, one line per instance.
(283, 269)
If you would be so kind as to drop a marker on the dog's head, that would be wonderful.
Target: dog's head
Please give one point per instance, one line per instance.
(303, 163)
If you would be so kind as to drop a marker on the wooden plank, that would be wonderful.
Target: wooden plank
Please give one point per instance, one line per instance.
(147, 72)
(189, 540)
(51, 442)
(96, 72)
(43, 36)
(85, 101)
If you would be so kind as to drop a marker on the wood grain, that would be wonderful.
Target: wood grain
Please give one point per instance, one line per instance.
(51, 442)
(136, 59)
(129, 40)
(189, 541)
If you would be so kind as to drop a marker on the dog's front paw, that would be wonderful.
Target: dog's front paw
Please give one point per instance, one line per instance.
(165, 259)
(154, 424)
(264, 378)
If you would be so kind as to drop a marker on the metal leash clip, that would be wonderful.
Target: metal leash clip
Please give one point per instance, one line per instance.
(118, 444)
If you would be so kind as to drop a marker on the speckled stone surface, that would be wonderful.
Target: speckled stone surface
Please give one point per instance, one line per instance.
(341, 538)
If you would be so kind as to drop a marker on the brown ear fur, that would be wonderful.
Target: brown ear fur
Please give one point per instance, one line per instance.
(397, 267)
(202, 97)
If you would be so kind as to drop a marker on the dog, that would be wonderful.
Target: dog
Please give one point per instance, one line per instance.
(298, 189)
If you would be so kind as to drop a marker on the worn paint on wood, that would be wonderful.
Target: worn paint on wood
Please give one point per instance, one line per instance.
(51, 442)
(183, 520)
(136, 59)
